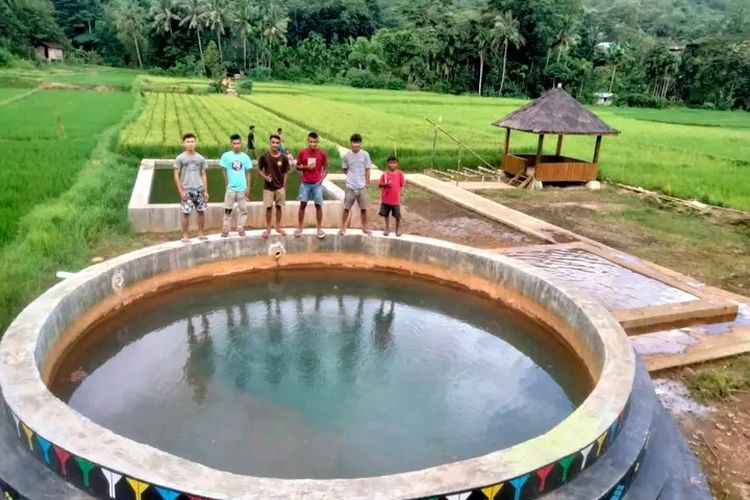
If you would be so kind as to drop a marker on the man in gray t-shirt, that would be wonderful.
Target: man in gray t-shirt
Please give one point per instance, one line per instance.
(356, 163)
(190, 179)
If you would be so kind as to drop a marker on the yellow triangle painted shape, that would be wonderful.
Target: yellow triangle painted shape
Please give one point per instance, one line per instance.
(491, 491)
(27, 430)
(138, 487)
(600, 441)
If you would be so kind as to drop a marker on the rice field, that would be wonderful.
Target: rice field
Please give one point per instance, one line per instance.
(213, 118)
(687, 153)
(45, 139)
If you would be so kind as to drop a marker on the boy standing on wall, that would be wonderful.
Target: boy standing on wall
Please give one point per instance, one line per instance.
(390, 184)
(190, 179)
(312, 162)
(356, 164)
(274, 168)
(236, 167)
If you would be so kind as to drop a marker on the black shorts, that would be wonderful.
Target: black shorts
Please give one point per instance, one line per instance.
(386, 210)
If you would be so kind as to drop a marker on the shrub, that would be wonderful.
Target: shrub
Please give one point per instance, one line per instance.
(245, 86)
(635, 100)
(5, 57)
(260, 74)
(364, 79)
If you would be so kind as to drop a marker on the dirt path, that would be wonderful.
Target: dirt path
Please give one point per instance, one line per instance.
(714, 250)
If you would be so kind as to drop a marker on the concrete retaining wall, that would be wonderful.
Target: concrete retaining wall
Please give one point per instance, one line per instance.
(37, 337)
(146, 217)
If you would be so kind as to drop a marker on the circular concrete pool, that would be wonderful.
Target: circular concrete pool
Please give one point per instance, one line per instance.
(351, 367)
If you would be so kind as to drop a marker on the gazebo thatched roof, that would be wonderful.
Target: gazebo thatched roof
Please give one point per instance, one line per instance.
(556, 113)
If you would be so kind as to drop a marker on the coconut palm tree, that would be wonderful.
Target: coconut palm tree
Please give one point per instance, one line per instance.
(130, 21)
(505, 30)
(482, 39)
(566, 39)
(243, 14)
(275, 21)
(194, 16)
(162, 13)
(217, 18)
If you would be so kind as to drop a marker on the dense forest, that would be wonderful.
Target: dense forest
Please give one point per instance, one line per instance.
(646, 52)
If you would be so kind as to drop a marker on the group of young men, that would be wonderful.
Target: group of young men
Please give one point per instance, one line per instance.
(274, 168)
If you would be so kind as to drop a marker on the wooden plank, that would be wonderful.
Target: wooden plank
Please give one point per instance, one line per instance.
(708, 349)
(565, 171)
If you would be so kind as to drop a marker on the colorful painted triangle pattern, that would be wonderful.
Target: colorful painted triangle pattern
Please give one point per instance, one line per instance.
(109, 484)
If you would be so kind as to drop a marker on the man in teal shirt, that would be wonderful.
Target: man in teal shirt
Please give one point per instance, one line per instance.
(236, 167)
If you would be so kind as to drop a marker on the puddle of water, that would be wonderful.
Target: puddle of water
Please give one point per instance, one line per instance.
(616, 287)
(676, 399)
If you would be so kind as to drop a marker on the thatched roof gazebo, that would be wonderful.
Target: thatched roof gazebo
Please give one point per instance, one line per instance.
(554, 113)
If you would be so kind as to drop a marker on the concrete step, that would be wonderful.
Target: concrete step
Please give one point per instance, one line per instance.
(610, 476)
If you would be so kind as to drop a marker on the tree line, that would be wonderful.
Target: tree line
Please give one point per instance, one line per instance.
(646, 52)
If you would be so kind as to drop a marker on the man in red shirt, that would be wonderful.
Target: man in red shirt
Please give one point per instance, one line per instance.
(390, 185)
(312, 162)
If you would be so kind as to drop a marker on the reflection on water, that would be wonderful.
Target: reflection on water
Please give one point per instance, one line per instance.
(322, 374)
(616, 287)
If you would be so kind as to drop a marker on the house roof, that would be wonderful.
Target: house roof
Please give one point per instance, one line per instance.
(51, 45)
(556, 112)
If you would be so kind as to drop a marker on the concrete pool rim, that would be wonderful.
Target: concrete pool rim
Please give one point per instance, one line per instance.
(54, 432)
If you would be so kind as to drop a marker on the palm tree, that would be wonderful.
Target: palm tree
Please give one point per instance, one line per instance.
(163, 12)
(244, 12)
(482, 39)
(615, 55)
(506, 30)
(366, 54)
(216, 20)
(130, 20)
(565, 40)
(194, 16)
(274, 28)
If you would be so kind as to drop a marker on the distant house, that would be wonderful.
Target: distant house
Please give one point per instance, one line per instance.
(49, 51)
(604, 98)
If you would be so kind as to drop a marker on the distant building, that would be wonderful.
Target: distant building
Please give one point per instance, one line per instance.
(604, 98)
(49, 51)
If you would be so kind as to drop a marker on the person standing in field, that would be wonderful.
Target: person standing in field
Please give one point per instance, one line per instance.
(312, 162)
(356, 163)
(236, 167)
(390, 184)
(274, 168)
(251, 142)
(282, 147)
(190, 179)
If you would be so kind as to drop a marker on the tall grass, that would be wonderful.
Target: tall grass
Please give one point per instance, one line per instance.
(58, 234)
(46, 139)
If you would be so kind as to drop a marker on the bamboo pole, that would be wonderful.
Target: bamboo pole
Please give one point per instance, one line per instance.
(539, 150)
(596, 150)
(559, 145)
(460, 143)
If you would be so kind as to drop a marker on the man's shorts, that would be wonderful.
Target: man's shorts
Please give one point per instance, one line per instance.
(271, 198)
(193, 200)
(358, 195)
(386, 210)
(311, 191)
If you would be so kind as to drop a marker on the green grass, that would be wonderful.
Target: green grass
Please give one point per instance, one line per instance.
(720, 383)
(78, 75)
(681, 152)
(6, 94)
(213, 118)
(58, 233)
(46, 139)
(686, 116)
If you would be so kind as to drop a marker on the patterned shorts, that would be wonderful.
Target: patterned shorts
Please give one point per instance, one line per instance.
(193, 200)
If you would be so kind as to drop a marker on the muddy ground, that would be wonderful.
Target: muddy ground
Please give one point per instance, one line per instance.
(714, 249)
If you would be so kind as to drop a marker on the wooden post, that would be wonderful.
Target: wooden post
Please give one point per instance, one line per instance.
(559, 145)
(507, 141)
(596, 149)
(539, 151)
